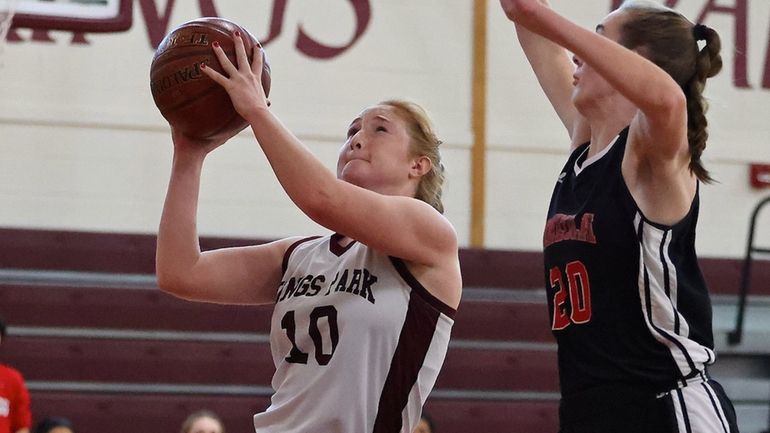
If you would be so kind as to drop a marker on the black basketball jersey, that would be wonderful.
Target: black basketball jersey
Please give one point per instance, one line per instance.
(626, 296)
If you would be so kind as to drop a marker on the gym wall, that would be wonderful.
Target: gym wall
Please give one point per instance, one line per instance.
(83, 147)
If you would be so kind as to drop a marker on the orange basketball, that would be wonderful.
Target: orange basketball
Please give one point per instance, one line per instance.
(188, 99)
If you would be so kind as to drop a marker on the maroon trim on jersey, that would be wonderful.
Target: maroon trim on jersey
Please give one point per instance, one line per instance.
(336, 248)
(290, 250)
(418, 288)
(413, 343)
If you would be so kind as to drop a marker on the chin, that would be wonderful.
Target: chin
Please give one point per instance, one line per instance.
(581, 101)
(351, 177)
(577, 97)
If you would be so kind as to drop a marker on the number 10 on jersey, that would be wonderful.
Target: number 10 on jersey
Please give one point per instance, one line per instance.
(296, 356)
(578, 289)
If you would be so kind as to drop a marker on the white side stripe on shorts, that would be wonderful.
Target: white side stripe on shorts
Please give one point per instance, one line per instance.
(697, 410)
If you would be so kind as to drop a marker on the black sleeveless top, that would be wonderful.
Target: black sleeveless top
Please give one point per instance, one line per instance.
(626, 296)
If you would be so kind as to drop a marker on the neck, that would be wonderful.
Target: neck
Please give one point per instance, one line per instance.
(606, 119)
(406, 189)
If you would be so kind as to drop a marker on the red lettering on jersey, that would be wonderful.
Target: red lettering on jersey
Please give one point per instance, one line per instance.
(579, 291)
(560, 316)
(563, 228)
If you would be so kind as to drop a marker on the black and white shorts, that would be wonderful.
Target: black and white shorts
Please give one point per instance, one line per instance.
(700, 406)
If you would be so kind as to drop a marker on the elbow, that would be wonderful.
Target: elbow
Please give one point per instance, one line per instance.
(519, 11)
(171, 283)
(670, 103)
(166, 282)
(163, 281)
(676, 102)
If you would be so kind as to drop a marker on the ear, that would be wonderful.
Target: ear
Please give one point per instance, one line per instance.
(420, 166)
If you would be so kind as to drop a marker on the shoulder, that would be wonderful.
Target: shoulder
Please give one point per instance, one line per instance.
(285, 247)
(10, 373)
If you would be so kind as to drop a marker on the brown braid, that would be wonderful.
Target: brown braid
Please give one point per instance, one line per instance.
(707, 64)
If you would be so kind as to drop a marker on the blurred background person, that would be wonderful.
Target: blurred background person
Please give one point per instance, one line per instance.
(15, 415)
(426, 424)
(54, 425)
(203, 421)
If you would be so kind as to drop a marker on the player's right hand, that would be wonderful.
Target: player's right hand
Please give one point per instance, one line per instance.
(195, 146)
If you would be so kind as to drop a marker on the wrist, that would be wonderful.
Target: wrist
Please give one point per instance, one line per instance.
(189, 157)
(258, 115)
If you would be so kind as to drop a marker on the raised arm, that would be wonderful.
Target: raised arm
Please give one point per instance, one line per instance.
(244, 275)
(395, 225)
(662, 125)
(554, 69)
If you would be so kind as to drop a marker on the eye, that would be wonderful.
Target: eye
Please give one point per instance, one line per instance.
(352, 132)
(381, 129)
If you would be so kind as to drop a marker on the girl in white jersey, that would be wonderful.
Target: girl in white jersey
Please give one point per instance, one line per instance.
(362, 317)
(629, 307)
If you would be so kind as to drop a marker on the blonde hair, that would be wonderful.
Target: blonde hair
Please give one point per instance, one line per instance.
(424, 142)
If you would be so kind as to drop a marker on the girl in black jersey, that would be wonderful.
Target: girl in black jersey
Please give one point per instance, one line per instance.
(628, 304)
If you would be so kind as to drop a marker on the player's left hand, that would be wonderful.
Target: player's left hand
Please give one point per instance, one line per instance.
(244, 82)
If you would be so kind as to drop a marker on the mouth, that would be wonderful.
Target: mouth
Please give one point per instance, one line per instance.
(353, 161)
(357, 158)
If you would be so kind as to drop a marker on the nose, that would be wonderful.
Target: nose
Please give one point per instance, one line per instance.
(355, 143)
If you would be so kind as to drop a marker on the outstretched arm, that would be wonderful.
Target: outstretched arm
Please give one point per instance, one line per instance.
(245, 275)
(553, 69)
(662, 125)
(395, 225)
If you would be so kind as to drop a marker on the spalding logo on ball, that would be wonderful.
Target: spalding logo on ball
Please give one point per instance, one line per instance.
(190, 101)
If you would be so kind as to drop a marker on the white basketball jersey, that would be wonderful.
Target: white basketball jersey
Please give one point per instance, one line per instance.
(357, 342)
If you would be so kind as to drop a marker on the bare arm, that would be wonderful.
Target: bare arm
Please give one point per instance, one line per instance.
(394, 225)
(245, 275)
(553, 69)
(662, 123)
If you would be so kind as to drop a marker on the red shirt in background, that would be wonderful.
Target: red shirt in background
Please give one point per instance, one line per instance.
(14, 401)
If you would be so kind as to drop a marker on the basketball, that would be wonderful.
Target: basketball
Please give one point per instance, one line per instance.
(190, 101)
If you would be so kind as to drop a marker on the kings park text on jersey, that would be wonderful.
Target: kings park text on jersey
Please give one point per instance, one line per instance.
(356, 282)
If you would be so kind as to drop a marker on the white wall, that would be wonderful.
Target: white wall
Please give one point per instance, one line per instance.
(84, 148)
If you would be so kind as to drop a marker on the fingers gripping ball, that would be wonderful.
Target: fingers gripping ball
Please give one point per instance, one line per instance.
(188, 99)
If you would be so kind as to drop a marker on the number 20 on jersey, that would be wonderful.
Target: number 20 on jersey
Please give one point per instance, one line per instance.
(577, 289)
